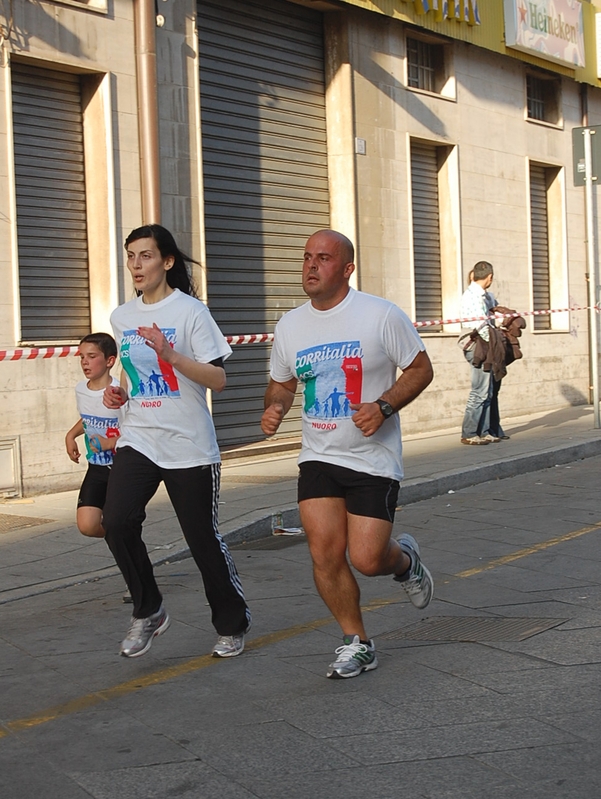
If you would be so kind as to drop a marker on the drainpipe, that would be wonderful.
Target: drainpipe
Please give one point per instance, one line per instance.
(590, 289)
(148, 110)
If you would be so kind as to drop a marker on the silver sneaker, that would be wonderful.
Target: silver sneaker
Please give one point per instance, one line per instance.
(228, 646)
(353, 658)
(419, 586)
(141, 632)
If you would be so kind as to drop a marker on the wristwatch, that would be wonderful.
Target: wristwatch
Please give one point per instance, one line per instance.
(386, 408)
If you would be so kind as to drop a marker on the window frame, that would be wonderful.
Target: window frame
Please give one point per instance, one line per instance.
(551, 86)
(444, 85)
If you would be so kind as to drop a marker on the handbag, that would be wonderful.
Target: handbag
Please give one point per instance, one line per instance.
(467, 341)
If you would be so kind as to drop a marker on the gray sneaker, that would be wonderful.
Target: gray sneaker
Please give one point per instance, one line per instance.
(228, 646)
(141, 632)
(419, 586)
(353, 658)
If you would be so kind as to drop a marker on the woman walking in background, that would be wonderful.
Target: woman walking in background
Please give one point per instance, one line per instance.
(171, 351)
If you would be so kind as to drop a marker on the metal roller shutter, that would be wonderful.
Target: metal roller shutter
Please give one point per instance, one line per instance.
(265, 181)
(426, 232)
(539, 227)
(51, 204)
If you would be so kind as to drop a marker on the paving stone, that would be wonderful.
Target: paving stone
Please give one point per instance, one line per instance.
(286, 750)
(432, 778)
(188, 780)
(25, 774)
(448, 741)
(583, 723)
(526, 576)
(471, 659)
(103, 739)
(562, 766)
(543, 678)
(564, 647)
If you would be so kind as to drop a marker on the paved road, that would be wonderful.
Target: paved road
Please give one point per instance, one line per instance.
(490, 716)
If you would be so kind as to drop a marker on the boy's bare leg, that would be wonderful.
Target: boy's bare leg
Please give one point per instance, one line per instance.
(89, 521)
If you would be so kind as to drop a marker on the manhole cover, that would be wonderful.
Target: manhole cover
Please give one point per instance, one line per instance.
(472, 628)
(9, 522)
(273, 542)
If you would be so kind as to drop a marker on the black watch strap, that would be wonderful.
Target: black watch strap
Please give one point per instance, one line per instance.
(386, 408)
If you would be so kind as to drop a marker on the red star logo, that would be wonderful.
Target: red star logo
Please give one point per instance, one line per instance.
(523, 13)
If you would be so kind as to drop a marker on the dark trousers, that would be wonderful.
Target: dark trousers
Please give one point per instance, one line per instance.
(495, 428)
(194, 494)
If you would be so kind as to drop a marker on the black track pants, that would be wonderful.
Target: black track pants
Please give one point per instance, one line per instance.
(194, 494)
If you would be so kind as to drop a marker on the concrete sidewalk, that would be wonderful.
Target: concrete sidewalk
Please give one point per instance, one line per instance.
(41, 549)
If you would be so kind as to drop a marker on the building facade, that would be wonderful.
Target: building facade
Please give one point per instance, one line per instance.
(433, 134)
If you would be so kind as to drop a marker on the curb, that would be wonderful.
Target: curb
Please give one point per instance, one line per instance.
(418, 490)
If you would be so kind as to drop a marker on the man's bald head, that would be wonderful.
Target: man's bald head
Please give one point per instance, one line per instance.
(346, 249)
(327, 267)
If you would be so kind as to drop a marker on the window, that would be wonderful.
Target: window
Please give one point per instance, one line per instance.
(435, 231)
(426, 232)
(422, 62)
(50, 187)
(547, 246)
(539, 228)
(427, 68)
(543, 99)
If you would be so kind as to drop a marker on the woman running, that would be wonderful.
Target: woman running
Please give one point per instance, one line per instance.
(171, 351)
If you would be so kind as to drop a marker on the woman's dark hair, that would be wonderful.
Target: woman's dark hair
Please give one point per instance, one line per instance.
(178, 277)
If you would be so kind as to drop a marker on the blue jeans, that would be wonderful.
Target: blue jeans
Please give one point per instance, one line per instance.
(482, 408)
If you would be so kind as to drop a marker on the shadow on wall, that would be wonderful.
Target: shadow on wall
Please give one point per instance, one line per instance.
(414, 105)
(573, 395)
(32, 16)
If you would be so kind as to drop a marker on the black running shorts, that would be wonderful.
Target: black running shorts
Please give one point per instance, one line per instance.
(93, 489)
(364, 494)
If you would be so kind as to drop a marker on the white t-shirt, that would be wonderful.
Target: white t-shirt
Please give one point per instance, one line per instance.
(97, 420)
(167, 417)
(475, 301)
(348, 354)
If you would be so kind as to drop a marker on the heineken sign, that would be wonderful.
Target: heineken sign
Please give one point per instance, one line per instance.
(551, 29)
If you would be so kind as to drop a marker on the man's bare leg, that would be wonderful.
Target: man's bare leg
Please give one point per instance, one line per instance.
(325, 522)
(371, 549)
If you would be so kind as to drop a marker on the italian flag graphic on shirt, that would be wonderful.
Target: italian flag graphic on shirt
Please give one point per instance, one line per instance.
(149, 375)
(332, 375)
(99, 426)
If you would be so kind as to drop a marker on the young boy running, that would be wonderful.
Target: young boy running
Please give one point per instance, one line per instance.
(99, 425)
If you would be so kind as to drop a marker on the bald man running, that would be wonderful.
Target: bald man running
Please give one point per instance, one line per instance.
(347, 344)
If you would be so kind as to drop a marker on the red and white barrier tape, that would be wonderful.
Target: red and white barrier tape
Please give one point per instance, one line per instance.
(253, 338)
(434, 322)
(31, 353)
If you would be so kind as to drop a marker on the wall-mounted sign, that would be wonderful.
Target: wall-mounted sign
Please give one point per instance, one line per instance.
(550, 28)
(578, 161)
